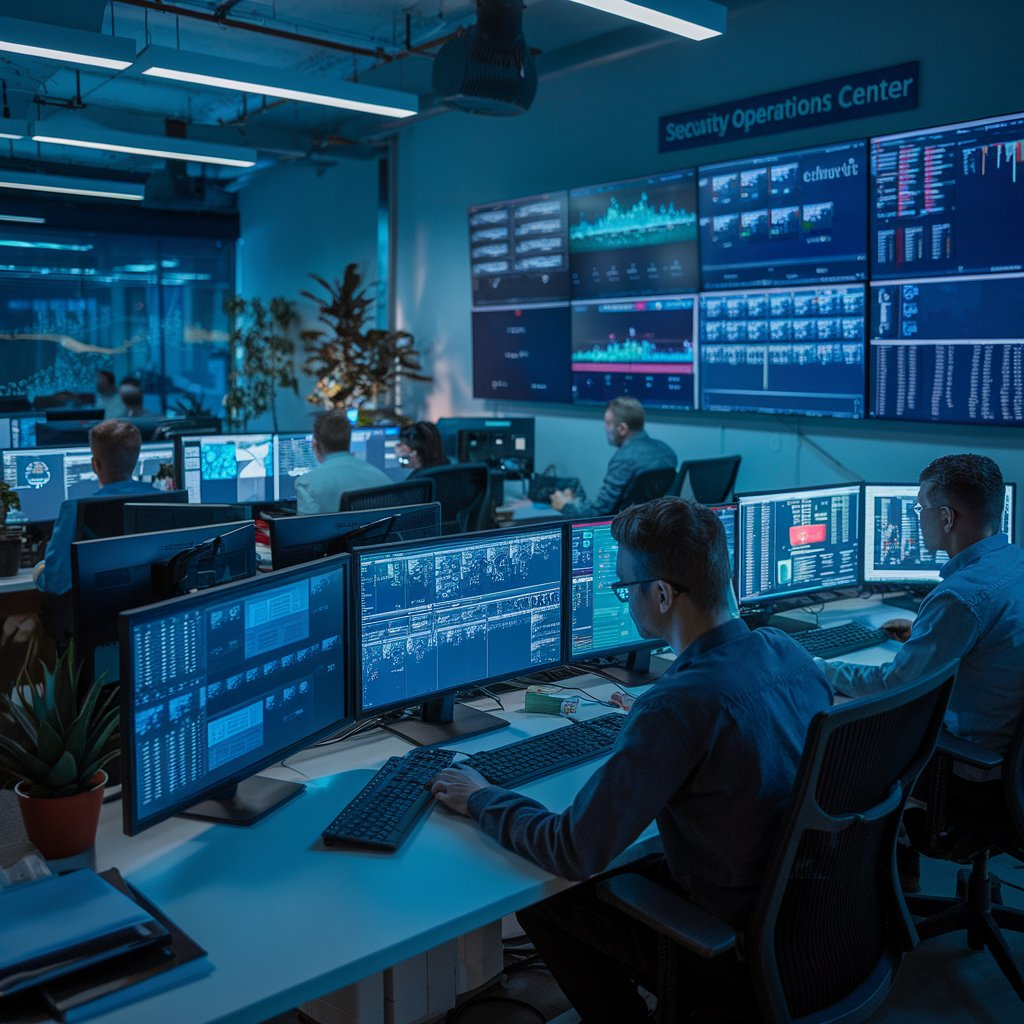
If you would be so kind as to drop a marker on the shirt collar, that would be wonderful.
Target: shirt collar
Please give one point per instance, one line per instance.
(723, 634)
(973, 553)
(336, 455)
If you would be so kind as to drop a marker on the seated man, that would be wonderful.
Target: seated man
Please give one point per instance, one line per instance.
(107, 396)
(130, 394)
(115, 452)
(321, 488)
(624, 429)
(709, 752)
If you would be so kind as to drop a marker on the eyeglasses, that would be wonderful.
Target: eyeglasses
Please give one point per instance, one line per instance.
(620, 588)
(919, 508)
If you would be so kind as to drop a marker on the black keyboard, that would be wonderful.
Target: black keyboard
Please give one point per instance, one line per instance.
(388, 807)
(537, 756)
(836, 640)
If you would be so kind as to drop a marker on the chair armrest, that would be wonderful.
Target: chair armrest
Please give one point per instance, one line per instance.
(967, 752)
(668, 914)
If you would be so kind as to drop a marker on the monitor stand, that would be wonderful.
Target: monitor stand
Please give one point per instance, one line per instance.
(635, 671)
(907, 599)
(245, 803)
(441, 720)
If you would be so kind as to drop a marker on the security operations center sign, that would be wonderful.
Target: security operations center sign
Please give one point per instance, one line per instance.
(838, 99)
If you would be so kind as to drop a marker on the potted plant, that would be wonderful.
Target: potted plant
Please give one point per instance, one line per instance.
(355, 365)
(263, 354)
(55, 737)
(10, 536)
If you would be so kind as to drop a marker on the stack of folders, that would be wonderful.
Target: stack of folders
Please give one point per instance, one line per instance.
(79, 944)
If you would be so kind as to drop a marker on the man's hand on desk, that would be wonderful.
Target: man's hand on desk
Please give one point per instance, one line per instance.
(898, 629)
(455, 785)
(559, 499)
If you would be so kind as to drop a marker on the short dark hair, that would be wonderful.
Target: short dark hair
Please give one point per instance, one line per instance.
(106, 374)
(680, 541)
(332, 431)
(627, 409)
(130, 394)
(425, 440)
(115, 445)
(969, 484)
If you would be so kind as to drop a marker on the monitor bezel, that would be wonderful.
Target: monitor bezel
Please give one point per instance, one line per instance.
(481, 536)
(181, 440)
(765, 599)
(132, 823)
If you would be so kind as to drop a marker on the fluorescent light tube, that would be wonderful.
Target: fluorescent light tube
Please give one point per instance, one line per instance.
(694, 19)
(96, 187)
(238, 76)
(90, 136)
(71, 46)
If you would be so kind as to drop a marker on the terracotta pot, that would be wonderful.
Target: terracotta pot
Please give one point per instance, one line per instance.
(61, 826)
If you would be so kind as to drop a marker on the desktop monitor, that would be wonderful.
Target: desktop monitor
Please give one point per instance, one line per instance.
(152, 518)
(218, 685)
(376, 445)
(73, 413)
(948, 200)
(470, 436)
(295, 539)
(18, 430)
(797, 542)
(227, 468)
(439, 616)
(294, 455)
(638, 347)
(104, 517)
(789, 218)
(784, 350)
(112, 575)
(499, 447)
(894, 551)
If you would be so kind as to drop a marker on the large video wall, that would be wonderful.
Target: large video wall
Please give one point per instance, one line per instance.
(880, 277)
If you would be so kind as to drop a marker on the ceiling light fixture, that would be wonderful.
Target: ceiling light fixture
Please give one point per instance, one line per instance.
(85, 136)
(694, 19)
(12, 129)
(238, 76)
(52, 42)
(98, 188)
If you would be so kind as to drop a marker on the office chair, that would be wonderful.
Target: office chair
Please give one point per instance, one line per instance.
(464, 491)
(977, 907)
(409, 492)
(646, 486)
(711, 481)
(829, 927)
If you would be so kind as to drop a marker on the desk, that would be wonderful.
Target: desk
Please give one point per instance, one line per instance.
(285, 920)
(18, 594)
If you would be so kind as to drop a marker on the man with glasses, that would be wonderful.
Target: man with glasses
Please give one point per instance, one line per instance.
(709, 752)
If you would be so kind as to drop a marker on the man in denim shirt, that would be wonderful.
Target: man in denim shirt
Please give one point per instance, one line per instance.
(709, 752)
(637, 452)
(976, 614)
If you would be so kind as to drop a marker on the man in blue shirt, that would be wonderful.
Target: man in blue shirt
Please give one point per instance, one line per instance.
(320, 489)
(115, 448)
(709, 752)
(636, 453)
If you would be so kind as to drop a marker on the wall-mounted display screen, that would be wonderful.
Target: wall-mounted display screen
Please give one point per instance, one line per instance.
(948, 350)
(790, 218)
(784, 350)
(634, 237)
(638, 347)
(949, 200)
(522, 352)
(519, 250)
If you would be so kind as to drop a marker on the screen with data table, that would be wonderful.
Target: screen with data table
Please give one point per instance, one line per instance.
(798, 542)
(223, 682)
(784, 350)
(948, 350)
(438, 616)
(949, 200)
(788, 218)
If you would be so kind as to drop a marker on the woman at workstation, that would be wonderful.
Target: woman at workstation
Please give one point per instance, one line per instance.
(419, 447)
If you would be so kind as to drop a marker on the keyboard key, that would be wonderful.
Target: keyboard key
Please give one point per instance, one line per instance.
(836, 640)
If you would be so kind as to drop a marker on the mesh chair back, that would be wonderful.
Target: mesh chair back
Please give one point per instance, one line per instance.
(409, 492)
(709, 481)
(464, 491)
(646, 486)
(830, 925)
(1013, 783)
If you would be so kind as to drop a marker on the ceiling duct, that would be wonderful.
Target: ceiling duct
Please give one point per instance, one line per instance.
(488, 69)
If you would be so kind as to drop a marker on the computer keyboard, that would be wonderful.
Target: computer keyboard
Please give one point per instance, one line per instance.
(536, 756)
(387, 808)
(835, 640)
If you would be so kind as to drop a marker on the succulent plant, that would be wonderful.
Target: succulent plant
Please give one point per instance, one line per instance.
(54, 737)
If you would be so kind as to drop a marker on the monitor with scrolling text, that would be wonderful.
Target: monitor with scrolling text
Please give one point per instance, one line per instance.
(439, 616)
(799, 541)
(223, 683)
(894, 550)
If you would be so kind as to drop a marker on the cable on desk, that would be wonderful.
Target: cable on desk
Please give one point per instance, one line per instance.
(493, 696)
(590, 696)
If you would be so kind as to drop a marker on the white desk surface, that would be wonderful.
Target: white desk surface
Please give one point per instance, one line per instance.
(14, 584)
(285, 919)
